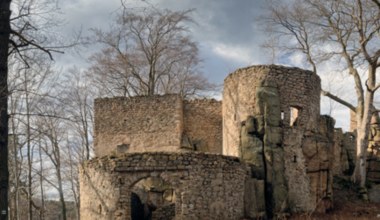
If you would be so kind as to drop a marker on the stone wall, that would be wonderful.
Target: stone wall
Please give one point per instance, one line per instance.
(373, 156)
(138, 124)
(318, 149)
(300, 195)
(157, 123)
(269, 119)
(344, 153)
(99, 197)
(373, 160)
(205, 186)
(296, 144)
(203, 124)
(299, 91)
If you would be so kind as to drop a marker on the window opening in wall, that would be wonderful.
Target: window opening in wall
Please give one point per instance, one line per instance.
(195, 147)
(100, 209)
(122, 148)
(352, 138)
(282, 115)
(294, 113)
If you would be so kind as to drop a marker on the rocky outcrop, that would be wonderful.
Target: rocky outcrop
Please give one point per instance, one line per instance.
(318, 149)
(252, 147)
(268, 108)
(261, 145)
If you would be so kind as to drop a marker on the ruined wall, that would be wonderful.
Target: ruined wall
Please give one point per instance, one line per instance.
(138, 124)
(373, 156)
(203, 124)
(309, 158)
(270, 120)
(300, 195)
(296, 142)
(297, 88)
(340, 163)
(99, 197)
(206, 186)
(344, 153)
(318, 149)
(373, 160)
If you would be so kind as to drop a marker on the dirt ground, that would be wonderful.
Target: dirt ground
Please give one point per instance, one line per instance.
(347, 206)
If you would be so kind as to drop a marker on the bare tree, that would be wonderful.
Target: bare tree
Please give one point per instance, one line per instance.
(25, 94)
(345, 31)
(20, 33)
(53, 135)
(377, 2)
(146, 53)
(78, 95)
(4, 46)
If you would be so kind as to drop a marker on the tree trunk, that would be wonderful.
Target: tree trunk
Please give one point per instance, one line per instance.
(58, 169)
(73, 182)
(42, 209)
(28, 151)
(363, 118)
(15, 211)
(359, 175)
(4, 47)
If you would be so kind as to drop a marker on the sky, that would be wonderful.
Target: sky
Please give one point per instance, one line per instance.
(228, 34)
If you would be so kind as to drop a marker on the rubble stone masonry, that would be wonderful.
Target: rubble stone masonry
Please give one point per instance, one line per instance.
(205, 186)
(157, 123)
(162, 155)
(298, 89)
(138, 124)
(203, 124)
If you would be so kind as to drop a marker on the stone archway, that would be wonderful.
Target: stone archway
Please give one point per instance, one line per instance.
(152, 198)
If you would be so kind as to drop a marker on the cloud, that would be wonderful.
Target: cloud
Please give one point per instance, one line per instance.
(233, 53)
(228, 33)
(340, 113)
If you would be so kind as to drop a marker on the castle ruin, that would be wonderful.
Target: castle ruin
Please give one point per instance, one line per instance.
(262, 152)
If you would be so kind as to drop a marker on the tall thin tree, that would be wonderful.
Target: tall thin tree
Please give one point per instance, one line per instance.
(5, 31)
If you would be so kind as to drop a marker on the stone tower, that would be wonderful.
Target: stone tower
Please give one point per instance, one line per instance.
(298, 91)
(271, 120)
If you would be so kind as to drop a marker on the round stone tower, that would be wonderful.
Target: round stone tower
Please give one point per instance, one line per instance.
(299, 99)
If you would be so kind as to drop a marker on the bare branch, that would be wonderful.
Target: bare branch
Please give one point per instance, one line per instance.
(42, 115)
(377, 2)
(143, 51)
(31, 42)
(339, 100)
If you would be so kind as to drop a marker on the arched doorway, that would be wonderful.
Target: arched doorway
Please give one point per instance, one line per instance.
(152, 199)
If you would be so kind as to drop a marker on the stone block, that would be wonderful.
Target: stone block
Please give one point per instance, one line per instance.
(273, 136)
(250, 125)
(323, 151)
(313, 164)
(260, 124)
(254, 199)
(268, 105)
(309, 147)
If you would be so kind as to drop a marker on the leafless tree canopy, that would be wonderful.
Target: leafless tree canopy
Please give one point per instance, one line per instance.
(146, 53)
(346, 31)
